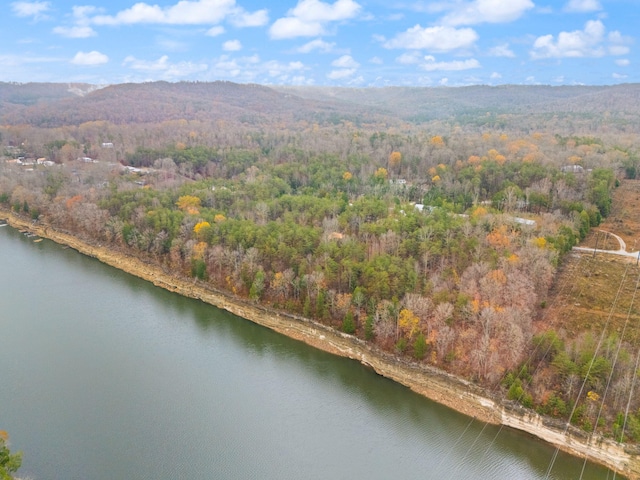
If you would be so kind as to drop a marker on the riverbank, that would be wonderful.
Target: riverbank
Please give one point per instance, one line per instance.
(432, 383)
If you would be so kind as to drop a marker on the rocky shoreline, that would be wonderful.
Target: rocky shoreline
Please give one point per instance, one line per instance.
(430, 382)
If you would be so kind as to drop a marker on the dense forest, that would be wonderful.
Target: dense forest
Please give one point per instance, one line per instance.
(430, 222)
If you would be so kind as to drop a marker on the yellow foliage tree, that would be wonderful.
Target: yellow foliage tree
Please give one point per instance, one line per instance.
(479, 212)
(199, 249)
(435, 178)
(499, 238)
(474, 159)
(540, 242)
(201, 229)
(437, 141)
(381, 174)
(188, 203)
(200, 225)
(498, 276)
(219, 218)
(394, 159)
(408, 323)
(493, 153)
(347, 176)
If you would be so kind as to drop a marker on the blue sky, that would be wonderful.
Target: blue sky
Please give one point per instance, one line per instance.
(356, 43)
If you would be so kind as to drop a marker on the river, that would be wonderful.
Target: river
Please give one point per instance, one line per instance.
(105, 376)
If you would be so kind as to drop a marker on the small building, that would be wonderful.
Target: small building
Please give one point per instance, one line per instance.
(572, 169)
(524, 221)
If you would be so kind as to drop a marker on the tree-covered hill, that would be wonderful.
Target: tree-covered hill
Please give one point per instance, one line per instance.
(512, 106)
(162, 101)
(409, 103)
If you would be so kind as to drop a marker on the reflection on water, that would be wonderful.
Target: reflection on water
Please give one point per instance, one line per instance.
(107, 377)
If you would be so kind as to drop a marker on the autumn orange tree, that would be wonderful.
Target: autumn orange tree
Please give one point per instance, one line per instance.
(9, 462)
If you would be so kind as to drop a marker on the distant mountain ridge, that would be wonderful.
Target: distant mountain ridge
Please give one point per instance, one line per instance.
(55, 105)
(408, 101)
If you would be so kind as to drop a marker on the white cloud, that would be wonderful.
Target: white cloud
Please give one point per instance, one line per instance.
(346, 67)
(495, 76)
(82, 28)
(547, 10)
(163, 68)
(623, 62)
(409, 58)
(301, 80)
(582, 6)
(342, 73)
(172, 44)
(90, 58)
(431, 65)
(590, 42)
(276, 69)
(215, 31)
(502, 51)
(161, 64)
(30, 9)
(25, 68)
(618, 43)
(185, 12)
(317, 44)
(76, 31)
(316, 10)
(435, 39)
(245, 19)
(291, 27)
(376, 60)
(618, 50)
(18, 60)
(83, 11)
(310, 17)
(487, 11)
(619, 76)
(345, 61)
(232, 46)
(579, 43)
(253, 69)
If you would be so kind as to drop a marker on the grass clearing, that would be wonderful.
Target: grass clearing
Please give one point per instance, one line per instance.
(594, 291)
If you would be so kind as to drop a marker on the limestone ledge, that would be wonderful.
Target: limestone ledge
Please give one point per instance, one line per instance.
(435, 384)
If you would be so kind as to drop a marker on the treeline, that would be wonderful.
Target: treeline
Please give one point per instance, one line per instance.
(438, 247)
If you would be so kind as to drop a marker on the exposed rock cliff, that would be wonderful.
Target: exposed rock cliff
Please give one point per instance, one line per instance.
(434, 384)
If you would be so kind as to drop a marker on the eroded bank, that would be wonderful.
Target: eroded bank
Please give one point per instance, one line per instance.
(430, 382)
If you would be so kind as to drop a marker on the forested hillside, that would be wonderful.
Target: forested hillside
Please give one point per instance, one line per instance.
(566, 109)
(433, 230)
